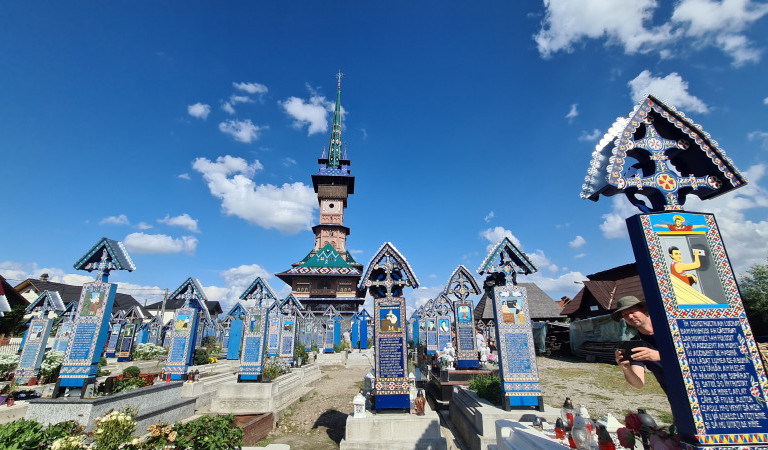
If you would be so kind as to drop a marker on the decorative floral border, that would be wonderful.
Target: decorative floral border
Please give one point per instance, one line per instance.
(531, 377)
(735, 310)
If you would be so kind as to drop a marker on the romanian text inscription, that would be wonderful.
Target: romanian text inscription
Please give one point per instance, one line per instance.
(730, 397)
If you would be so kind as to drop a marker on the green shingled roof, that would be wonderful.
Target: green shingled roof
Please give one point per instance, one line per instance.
(326, 257)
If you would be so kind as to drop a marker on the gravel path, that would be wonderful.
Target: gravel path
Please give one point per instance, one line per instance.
(317, 421)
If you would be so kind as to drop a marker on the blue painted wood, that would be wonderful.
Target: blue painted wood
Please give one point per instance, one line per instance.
(355, 334)
(90, 334)
(33, 350)
(337, 331)
(363, 325)
(235, 339)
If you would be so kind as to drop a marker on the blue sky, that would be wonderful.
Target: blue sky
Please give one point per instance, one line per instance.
(190, 131)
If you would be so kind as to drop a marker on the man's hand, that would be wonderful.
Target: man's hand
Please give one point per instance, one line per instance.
(622, 364)
(645, 354)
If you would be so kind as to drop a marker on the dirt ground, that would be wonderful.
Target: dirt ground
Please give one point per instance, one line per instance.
(317, 421)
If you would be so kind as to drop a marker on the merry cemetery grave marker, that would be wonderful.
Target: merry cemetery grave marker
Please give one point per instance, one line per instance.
(233, 331)
(443, 311)
(258, 296)
(514, 335)
(290, 308)
(45, 307)
(91, 324)
(183, 336)
(716, 383)
(387, 274)
(460, 286)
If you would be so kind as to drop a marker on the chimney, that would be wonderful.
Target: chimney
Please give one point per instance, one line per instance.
(44, 277)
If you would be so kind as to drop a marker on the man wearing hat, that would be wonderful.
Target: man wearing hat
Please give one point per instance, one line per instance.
(645, 355)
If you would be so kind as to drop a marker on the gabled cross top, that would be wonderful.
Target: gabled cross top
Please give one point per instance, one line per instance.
(461, 285)
(103, 267)
(187, 296)
(658, 153)
(331, 312)
(442, 305)
(664, 178)
(388, 273)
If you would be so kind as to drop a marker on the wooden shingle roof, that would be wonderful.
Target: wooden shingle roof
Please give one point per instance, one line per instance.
(602, 291)
(71, 293)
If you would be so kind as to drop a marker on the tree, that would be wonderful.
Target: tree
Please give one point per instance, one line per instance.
(12, 323)
(754, 294)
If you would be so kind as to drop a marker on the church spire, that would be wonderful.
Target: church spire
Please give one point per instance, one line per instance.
(334, 149)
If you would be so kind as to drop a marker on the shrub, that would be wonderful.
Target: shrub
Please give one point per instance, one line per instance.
(7, 364)
(21, 434)
(209, 432)
(274, 367)
(131, 372)
(201, 356)
(487, 387)
(148, 351)
(300, 353)
(51, 365)
(128, 384)
(61, 430)
(114, 429)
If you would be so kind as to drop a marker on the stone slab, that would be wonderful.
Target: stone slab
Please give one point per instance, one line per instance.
(15, 412)
(474, 418)
(145, 400)
(512, 435)
(254, 398)
(331, 359)
(394, 431)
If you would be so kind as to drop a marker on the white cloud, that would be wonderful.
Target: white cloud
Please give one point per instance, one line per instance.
(288, 208)
(693, 23)
(241, 130)
(614, 225)
(590, 137)
(355, 252)
(580, 255)
(288, 162)
(538, 258)
(759, 136)
(542, 261)
(228, 108)
(199, 110)
(184, 221)
(312, 113)
(122, 219)
(496, 234)
(765, 101)
(184, 176)
(237, 279)
(567, 22)
(558, 286)
(573, 113)
(143, 226)
(251, 87)
(577, 242)
(671, 89)
(159, 243)
(489, 216)
(720, 23)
